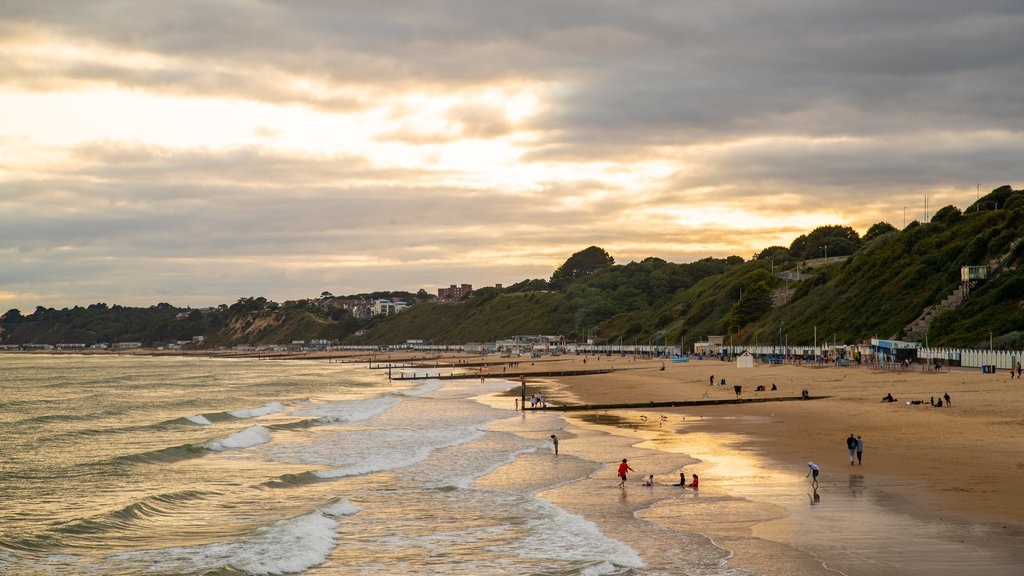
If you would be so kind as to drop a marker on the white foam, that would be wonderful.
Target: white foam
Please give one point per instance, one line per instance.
(341, 508)
(427, 387)
(351, 410)
(270, 408)
(289, 546)
(405, 448)
(252, 436)
(199, 419)
(286, 547)
(556, 533)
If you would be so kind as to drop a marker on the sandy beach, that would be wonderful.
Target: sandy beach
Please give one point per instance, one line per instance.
(954, 470)
(966, 458)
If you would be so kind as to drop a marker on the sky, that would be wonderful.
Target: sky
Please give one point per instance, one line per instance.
(197, 152)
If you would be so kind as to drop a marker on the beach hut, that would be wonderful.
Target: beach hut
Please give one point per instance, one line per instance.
(745, 360)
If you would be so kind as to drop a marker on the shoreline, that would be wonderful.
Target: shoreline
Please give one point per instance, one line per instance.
(958, 460)
(936, 484)
(910, 506)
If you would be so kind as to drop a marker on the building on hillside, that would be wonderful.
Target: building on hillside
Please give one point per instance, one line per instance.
(454, 292)
(387, 307)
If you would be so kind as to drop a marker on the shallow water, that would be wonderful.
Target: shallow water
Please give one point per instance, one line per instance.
(773, 521)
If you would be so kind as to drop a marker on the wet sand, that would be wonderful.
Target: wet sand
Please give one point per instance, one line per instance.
(935, 494)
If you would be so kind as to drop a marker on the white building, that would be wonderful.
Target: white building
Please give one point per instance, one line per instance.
(387, 307)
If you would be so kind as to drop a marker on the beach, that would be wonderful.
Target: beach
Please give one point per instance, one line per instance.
(964, 459)
(934, 495)
(941, 482)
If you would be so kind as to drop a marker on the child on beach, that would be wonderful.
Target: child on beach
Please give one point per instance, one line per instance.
(695, 482)
(650, 481)
(623, 468)
(813, 471)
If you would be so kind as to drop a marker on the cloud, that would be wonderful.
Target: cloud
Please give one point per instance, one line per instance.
(197, 152)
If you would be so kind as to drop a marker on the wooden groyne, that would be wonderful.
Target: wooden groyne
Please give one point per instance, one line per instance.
(672, 404)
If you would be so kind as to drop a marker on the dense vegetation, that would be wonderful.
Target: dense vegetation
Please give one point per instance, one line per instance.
(879, 284)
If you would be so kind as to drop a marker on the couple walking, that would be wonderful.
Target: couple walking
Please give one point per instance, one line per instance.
(855, 446)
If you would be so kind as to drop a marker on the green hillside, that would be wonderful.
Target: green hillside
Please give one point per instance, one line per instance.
(876, 287)
(871, 286)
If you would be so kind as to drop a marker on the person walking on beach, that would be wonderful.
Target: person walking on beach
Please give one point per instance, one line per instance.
(623, 468)
(554, 440)
(851, 447)
(860, 448)
(946, 396)
(813, 472)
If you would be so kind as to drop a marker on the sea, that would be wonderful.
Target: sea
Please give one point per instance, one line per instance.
(193, 465)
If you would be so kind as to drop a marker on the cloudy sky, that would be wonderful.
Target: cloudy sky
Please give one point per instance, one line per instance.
(199, 151)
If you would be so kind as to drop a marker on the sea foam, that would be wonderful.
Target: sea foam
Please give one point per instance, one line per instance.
(271, 408)
(351, 410)
(252, 436)
(425, 388)
(288, 546)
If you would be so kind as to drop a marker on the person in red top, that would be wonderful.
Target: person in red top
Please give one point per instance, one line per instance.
(694, 483)
(623, 468)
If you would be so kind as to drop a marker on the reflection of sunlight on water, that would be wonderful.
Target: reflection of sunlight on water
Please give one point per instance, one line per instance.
(849, 521)
(773, 520)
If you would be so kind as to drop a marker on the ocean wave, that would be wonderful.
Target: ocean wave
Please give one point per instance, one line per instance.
(271, 408)
(252, 436)
(351, 410)
(286, 480)
(95, 532)
(405, 448)
(296, 424)
(556, 533)
(426, 388)
(165, 455)
(288, 546)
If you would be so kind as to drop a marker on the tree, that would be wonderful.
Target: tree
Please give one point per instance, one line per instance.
(754, 303)
(948, 215)
(12, 316)
(773, 252)
(836, 240)
(877, 229)
(580, 264)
